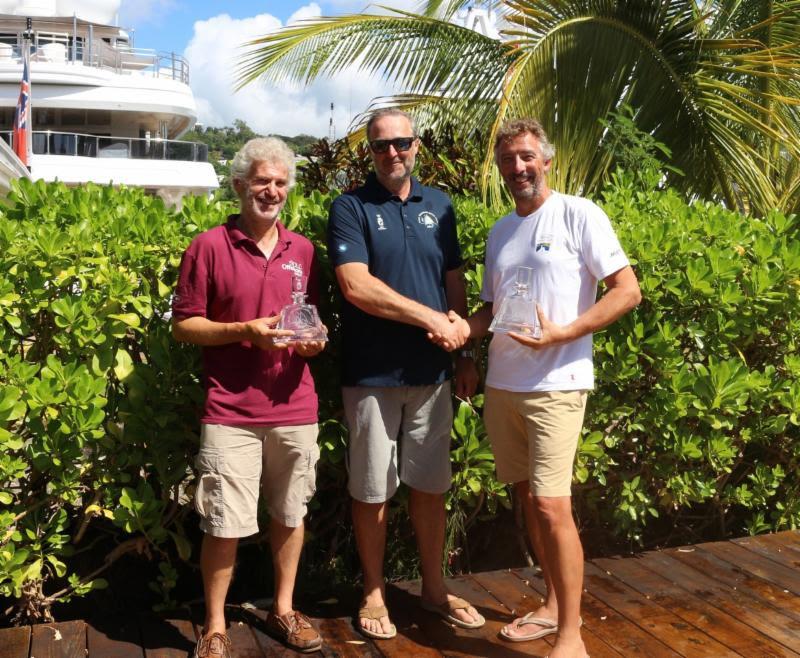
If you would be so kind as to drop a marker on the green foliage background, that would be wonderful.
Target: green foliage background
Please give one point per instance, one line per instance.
(693, 427)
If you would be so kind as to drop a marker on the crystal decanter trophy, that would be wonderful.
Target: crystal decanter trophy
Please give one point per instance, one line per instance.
(518, 310)
(300, 317)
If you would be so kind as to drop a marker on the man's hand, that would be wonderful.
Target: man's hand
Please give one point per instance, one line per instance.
(552, 334)
(466, 377)
(449, 331)
(309, 348)
(262, 333)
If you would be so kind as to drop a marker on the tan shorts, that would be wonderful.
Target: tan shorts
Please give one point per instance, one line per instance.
(236, 462)
(534, 437)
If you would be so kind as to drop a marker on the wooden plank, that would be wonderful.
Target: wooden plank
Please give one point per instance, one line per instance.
(64, 640)
(341, 639)
(746, 560)
(708, 586)
(790, 538)
(243, 640)
(723, 627)
(167, 638)
(521, 599)
(660, 622)
(270, 647)
(337, 642)
(453, 641)
(114, 638)
(730, 575)
(772, 551)
(15, 642)
(609, 625)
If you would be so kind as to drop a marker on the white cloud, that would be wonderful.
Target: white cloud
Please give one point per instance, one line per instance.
(213, 53)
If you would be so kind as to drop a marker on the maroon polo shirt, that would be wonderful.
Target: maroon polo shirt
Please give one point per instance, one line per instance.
(225, 277)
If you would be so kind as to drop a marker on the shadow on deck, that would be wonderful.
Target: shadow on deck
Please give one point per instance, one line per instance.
(734, 598)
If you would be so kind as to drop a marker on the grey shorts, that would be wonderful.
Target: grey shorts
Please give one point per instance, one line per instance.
(236, 463)
(398, 434)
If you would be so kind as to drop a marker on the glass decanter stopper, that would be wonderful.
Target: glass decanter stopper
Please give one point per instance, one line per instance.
(300, 317)
(518, 310)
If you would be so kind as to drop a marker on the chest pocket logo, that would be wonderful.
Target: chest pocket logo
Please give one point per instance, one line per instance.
(428, 219)
(380, 222)
(543, 244)
(295, 267)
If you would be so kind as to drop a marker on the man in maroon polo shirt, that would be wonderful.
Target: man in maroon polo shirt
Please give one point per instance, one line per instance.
(259, 424)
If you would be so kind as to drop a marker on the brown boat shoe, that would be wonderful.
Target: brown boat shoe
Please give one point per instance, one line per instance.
(295, 630)
(213, 645)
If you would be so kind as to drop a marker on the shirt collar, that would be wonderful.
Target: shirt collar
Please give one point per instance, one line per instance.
(238, 236)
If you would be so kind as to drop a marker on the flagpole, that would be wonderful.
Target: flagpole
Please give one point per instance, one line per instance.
(29, 134)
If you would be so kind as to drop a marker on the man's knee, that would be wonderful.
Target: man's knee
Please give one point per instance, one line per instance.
(553, 512)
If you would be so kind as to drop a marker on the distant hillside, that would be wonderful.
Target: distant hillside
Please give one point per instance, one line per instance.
(223, 143)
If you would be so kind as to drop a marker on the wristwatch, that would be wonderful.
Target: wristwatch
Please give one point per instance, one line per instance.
(467, 354)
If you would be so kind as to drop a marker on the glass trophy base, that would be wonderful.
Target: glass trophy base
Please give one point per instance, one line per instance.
(305, 335)
(522, 328)
(302, 319)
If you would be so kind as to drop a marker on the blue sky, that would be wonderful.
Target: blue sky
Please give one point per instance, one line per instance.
(209, 35)
(169, 25)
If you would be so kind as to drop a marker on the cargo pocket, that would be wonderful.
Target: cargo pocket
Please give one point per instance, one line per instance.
(208, 496)
(312, 459)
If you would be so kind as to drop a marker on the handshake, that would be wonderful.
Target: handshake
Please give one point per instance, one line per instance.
(449, 331)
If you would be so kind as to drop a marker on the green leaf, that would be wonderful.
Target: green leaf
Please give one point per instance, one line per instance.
(123, 365)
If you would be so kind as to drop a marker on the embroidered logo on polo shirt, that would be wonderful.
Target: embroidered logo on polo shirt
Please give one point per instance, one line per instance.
(296, 268)
(428, 219)
(381, 225)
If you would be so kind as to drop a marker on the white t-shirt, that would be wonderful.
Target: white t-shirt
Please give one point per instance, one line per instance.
(570, 244)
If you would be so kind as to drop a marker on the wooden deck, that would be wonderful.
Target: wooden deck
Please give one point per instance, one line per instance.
(735, 598)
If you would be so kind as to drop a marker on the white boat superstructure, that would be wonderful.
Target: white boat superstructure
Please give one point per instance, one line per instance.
(102, 110)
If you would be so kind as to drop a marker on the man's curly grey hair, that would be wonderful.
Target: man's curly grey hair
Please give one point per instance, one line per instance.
(263, 149)
(511, 129)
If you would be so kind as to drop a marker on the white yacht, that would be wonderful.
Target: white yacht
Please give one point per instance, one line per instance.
(102, 110)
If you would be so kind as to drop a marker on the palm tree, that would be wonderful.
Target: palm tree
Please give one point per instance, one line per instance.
(717, 81)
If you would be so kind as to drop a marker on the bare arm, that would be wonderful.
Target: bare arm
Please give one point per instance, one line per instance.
(480, 320)
(621, 296)
(202, 331)
(456, 291)
(373, 296)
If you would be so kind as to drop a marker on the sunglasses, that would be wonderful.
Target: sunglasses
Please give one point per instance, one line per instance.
(400, 144)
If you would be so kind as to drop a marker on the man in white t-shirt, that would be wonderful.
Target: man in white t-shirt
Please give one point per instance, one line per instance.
(536, 386)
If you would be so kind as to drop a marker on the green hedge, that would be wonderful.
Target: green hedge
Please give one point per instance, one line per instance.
(694, 422)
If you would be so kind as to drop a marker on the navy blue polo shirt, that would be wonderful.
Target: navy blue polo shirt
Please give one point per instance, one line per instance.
(409, 245)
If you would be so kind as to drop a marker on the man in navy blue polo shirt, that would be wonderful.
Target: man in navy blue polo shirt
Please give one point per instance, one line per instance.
(393, 243)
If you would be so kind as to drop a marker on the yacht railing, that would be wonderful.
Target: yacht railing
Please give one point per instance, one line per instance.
(93, 146)
(97, 53)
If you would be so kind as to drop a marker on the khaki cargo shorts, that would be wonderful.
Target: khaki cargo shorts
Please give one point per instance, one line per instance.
(534, 436)
(236, 463)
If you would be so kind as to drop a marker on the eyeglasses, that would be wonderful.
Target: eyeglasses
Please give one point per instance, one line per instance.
(400, 144)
